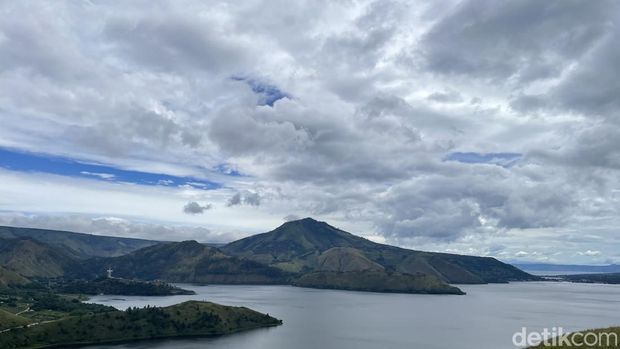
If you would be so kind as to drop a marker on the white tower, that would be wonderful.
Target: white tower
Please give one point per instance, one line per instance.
(109, 272)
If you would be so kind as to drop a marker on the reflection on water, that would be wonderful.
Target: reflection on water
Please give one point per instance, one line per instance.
(486, 317)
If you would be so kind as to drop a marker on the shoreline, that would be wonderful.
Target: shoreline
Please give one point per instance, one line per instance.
(135, 340)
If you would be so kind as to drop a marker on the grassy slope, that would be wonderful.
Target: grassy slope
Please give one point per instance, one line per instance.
(44, 305)
(344, 259)
(8, 277)
(578, 340)
(31, 258)
(8, 320)
(187, 261)
(185, 319)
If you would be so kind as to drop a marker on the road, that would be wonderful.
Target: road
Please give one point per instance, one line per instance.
(28, 325)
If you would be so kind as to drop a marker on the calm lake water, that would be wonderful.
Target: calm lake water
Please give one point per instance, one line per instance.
(486, 318)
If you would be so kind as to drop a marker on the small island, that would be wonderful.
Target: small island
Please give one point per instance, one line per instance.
(188, 319)
(376, 281)
(123, 287)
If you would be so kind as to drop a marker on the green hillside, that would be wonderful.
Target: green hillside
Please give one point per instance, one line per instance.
(8, 320)
(182, 320)
(344, 259)
(78, 244)
(31, 258)
(308, 245)
(187, 261)
(10, 278)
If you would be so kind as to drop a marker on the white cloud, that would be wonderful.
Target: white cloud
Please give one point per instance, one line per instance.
(379, 94)
(590, 253)
(193, 207)
(106, 176)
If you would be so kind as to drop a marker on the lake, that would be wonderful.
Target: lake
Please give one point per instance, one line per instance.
(486, 318)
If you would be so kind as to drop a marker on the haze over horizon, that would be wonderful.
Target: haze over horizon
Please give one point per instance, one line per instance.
(475, 127)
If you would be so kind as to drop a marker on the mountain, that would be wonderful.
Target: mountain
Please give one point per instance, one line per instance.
(308, 245)
(78, 244)
(31, 258)
(303, 252)
(187, 261)
(296, 240)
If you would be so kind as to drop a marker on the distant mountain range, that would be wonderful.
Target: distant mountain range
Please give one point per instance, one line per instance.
(547, 269)
(304, 252)
(78, 245)
(594, 278)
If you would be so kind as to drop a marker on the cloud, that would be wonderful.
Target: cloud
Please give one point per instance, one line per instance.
(116, 226)
(106, 176)
(445, 97)
(252, 199)
(500, 159)
(234, 200)
(170, 42)
(291, 217)
(486, 40)
(459, 126)
(193, 207)
(245, 197)
(590, 253)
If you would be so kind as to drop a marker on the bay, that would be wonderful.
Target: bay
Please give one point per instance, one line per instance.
(486, 318)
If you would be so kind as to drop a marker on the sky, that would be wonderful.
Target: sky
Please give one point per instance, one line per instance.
(478, 127)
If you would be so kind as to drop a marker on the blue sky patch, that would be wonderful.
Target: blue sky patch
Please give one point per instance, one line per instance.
(227, 170)
(268, 93)
(499, 159)
(32, 162)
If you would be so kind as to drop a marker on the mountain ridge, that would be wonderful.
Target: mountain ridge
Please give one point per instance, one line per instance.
(299, 252)
(186, 261)
(80, 245)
